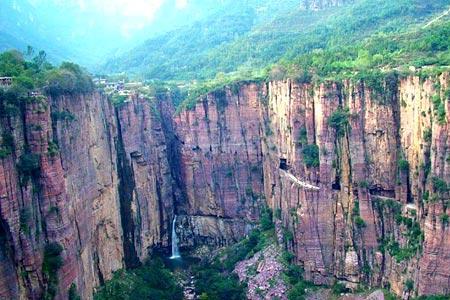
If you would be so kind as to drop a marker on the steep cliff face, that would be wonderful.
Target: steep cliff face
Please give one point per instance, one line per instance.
(367, 221)
(66, 196)
(221, 165)
(83, 127)
(425, 141)
(356, 173)
(146, 182)
(99, 181)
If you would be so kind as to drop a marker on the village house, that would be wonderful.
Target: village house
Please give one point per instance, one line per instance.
(5, 81)
(35, 93)
(100, 81)
(117, 86)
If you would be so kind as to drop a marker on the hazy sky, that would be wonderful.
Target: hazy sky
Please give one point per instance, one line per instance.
(91, 30)
(129, 15)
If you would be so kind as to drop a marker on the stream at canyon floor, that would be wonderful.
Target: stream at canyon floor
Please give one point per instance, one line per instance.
(182, 266)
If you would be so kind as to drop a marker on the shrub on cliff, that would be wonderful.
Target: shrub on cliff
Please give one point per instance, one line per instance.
(63, 116)
(444, 219)
(413, 236)
(303, 136)
(427, 135)
(339, 288)
(52, 149)
(439, 185)
(409, 285)
(311, 156)
(252, 244)
(50, 266)
(266, 219)
(7, 145)
(403, 165)
(447, 94)
(52, 258)
(439, 109)
(359, 222)
(24, 218)
(339, 120)
(28, 167)
(73, 293)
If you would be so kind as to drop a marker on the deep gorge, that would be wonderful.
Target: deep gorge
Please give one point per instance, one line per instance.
(358, 176)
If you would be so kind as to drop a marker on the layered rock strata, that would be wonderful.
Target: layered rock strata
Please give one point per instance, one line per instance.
(356, 173)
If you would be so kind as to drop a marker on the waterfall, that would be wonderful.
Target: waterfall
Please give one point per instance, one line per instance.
(175, 250)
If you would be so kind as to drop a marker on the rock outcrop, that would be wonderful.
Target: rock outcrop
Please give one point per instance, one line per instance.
(357, 173)
(221, 163)
(370, 221)
(105, 182)
(66, 196)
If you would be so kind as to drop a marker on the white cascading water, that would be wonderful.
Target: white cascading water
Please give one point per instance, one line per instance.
(175, 250)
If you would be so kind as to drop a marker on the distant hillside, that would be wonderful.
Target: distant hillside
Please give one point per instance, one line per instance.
(252, 35)
(86, 32)
(19, 28)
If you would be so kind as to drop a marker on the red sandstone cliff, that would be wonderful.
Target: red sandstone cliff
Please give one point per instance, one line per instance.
(371, 209)
(221, 165)
(367, 221)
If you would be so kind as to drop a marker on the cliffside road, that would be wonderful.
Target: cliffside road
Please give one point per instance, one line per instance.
(437, 19)
(298, 182)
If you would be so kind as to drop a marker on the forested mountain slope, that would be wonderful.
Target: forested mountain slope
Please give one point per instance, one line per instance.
(243, 37)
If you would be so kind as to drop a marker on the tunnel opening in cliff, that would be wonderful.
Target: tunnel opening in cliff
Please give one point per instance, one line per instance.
(284, 164)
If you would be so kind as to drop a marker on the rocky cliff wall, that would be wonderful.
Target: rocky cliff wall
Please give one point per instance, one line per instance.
(83, 130)
(105, 182)
(58, 186)
(150, 185)
(221, 164)
(356, 173)
(379, 215)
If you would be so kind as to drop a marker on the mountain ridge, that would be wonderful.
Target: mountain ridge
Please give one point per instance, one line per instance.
(286, 36)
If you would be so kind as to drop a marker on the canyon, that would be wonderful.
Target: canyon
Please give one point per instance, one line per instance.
(356, 175)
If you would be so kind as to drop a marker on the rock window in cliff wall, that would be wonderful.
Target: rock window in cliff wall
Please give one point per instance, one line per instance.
(336, 186)
(283, 164)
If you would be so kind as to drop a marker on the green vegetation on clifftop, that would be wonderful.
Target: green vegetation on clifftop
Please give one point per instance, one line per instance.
(30, 73)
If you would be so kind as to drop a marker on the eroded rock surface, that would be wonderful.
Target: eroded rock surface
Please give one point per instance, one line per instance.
(363, 195)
